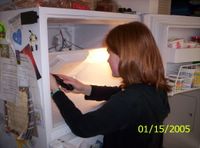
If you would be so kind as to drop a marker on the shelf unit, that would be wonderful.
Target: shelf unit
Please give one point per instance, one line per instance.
(187, 79)
(187, 71)
(166, 27)
(183, 55)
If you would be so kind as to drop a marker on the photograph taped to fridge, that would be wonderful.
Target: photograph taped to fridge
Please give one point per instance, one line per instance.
(19, 116)
(4, 51)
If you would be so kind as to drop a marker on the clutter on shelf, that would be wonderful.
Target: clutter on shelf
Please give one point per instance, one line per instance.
(74, 4)
(126, 10)
(98, 5)
(182, 43)
(187, 78)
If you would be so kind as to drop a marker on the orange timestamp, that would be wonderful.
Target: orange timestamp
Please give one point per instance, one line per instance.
(159, 129)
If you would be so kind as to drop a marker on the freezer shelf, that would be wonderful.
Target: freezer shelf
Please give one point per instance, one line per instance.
(184, 55)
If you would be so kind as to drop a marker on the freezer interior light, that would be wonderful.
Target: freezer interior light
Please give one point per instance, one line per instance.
(98, 55)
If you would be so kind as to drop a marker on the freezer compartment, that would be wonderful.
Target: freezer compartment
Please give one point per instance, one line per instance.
(90, 66)
(75, 47)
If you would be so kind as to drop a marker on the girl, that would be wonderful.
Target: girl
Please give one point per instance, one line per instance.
(140, 101)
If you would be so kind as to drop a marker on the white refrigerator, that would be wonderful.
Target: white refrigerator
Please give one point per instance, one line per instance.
(70, 42)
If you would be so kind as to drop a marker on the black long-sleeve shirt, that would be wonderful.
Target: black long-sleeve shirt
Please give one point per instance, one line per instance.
(118, 119)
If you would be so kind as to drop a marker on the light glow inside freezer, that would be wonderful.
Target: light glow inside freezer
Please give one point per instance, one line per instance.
(97, 56)
(89, 66)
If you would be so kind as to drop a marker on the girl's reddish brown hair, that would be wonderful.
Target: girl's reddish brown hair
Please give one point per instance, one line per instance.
(140, 60)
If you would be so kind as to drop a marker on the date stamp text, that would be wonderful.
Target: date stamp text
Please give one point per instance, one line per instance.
(159, 129)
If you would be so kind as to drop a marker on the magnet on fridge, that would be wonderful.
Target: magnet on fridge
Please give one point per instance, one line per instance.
(33, 40)
(4, 51)
(29, 17)
(2, 31)
(27, 51)
(17, 52)
(17, 37)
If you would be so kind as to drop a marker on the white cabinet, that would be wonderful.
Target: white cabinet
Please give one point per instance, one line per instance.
(185, 110)
(182, 110)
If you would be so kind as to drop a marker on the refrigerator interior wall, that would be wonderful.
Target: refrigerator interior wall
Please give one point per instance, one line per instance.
(93, 35)
(76, 36)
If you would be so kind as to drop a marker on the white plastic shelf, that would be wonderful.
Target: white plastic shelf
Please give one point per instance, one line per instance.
(183, 55)
(187, 79)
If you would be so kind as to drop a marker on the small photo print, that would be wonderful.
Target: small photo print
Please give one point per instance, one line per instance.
(4, 51)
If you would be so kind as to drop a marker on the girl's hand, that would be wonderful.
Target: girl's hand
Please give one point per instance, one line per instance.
(79, 87)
